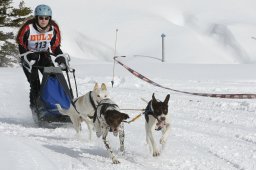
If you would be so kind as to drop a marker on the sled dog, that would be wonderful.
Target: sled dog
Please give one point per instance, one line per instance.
(84, 108)
(156, 118)
(108, 118)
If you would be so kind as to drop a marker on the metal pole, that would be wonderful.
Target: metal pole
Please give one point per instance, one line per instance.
(115, 43)
(163, 59)
(112, 82)
(70, 88)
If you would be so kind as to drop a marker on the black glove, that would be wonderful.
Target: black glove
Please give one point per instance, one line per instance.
(32, 56)
(60, 60)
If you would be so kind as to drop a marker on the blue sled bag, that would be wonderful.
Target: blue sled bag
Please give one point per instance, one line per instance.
(53, 93)
(54, 90)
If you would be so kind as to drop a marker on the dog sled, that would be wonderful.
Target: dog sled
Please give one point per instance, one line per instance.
(54, 89)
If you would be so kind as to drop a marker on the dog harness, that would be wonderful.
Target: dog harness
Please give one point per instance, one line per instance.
(93, 105)
(103, 109)
(149, 111)
(91, 100)
(105, 106)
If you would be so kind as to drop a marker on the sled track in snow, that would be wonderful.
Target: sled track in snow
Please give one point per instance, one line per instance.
(237, 166)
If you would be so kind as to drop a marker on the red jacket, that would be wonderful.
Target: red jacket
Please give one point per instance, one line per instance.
(23, 36)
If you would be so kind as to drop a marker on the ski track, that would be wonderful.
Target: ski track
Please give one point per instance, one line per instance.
(224, 139)
(206, 133)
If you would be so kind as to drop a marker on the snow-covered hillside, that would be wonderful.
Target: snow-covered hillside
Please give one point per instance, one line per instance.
(197, 31)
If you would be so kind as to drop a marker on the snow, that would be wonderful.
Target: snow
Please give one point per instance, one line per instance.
(197, 32)
(206, 133)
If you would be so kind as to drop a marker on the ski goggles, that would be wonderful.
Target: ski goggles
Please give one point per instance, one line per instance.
(44, 17)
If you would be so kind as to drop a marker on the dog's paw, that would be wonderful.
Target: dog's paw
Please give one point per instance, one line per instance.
(156, 153)
(115, 161)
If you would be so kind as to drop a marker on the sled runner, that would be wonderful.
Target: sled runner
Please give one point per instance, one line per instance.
(54, 89)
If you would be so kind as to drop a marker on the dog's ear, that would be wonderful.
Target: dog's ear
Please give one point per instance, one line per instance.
(166, 100)
(153, 98)
(125, 116)
(103, 87)
(96, 87)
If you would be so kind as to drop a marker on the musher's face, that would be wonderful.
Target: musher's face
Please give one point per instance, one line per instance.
(43, 21)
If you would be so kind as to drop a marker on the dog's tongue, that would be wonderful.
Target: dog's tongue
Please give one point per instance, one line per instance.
(159, 125)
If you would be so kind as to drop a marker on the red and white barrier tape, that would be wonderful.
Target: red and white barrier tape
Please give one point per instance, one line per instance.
(227, 96)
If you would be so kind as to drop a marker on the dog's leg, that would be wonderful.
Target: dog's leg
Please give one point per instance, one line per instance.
(149, 130)
(121, 137)
(147, 137)
(76, 120)
(165, 134)
(98, 128)
(74, 117)
(104, 137)
(89, 124)
(77, 125)
(90, 128)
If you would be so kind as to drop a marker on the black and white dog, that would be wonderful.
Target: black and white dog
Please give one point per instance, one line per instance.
(108, 118)
(156, 115)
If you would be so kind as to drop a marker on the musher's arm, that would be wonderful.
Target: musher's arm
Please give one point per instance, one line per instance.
(55, 42)
(22, 39)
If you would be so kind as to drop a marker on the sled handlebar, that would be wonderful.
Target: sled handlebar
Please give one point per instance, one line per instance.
(29, 64)
(67, 60)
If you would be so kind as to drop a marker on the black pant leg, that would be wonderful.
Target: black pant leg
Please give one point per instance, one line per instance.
(33, 79)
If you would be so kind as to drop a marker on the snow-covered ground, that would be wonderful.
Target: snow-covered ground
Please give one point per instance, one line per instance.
(206, 134)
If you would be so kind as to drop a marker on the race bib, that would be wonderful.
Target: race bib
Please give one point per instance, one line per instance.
(39, 41)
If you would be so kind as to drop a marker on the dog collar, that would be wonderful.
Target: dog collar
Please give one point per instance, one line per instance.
(94, 107)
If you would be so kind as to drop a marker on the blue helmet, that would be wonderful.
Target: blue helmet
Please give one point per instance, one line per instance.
(43, 10)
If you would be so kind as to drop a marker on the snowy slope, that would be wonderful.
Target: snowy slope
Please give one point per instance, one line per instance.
(197, 31)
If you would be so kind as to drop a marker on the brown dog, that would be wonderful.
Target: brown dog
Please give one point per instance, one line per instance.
(109, 119)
